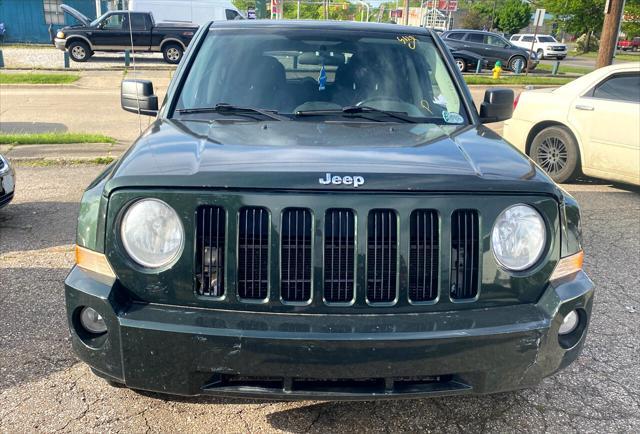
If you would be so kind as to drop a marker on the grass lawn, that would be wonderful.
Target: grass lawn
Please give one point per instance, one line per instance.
(100, 161)
(620, 56)
(565, 69)
(517, 80)
(38, 78)
(53, 138)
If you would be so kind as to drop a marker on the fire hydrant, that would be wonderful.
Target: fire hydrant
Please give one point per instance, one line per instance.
(497, 70)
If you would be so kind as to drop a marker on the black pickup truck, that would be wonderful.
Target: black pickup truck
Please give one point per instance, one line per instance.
(119, 30)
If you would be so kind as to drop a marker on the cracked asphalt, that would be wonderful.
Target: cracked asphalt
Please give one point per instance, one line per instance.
(43, 388)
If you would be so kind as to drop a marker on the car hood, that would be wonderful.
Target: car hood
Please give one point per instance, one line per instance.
(295, 155)
(76, 14)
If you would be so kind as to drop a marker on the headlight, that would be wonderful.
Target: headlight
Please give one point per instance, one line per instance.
(518, 237)
(60, 35)
(152, 233)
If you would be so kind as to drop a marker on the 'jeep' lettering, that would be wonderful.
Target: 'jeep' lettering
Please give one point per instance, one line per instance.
(356, 181)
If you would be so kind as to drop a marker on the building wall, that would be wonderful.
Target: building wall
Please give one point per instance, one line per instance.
(24, 19)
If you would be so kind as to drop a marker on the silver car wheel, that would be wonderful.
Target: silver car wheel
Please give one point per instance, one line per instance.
(78, 52)
(173, 54)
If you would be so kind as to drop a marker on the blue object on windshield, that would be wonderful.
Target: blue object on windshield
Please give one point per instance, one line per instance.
(322, 79)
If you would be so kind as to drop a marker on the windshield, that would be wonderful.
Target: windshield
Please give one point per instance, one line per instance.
(546, 39)
(301, 73)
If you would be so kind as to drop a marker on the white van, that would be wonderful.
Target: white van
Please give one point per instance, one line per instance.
(188, 11)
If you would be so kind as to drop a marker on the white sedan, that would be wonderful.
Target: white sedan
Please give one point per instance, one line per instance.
(590, 126)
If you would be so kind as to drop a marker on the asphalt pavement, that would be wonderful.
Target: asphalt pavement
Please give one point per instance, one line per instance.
(43, 388)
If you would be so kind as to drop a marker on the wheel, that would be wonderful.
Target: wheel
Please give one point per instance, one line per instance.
(172, 53)
(556, 151)
(461, 64)
(635, 48)
(540, 54)
(514, 61)
(79, 51)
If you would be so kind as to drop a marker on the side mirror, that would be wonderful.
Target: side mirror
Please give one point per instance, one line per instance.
(136, 96)
(497, 105)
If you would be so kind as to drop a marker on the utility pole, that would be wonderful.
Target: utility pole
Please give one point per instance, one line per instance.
(405, 17)
(612, 15)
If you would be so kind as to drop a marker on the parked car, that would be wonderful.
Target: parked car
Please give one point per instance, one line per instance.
(492, 47)
(188, 11)
(340, 226)
(119, 30)
(589, 125)
(467, 60)
(629, 44)
(7, 181)
(545, 46)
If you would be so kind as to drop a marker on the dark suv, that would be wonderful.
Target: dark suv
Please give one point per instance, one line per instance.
(324, 217)
(492, 47)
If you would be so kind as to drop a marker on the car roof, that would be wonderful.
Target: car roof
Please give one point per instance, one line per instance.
(318, 25)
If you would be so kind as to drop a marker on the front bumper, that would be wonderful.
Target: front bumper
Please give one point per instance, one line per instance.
(61, 44)
(190, 351)
(553, 53)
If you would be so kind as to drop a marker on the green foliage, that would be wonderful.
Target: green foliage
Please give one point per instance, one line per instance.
(631, 26)
(513, 15)
(478, 14)
(577, 16)
(583, 47)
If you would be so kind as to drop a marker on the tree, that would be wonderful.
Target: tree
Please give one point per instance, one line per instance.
(577, 16)
(478, 14)
(631, 21)
(513, 15)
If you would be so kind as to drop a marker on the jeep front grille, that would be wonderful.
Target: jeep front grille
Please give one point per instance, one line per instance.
(295, 254)
(464, 254)
(253, 253)
(210, 250)
(352, 258)
(423, 255)
(339, 256)
(382, 256)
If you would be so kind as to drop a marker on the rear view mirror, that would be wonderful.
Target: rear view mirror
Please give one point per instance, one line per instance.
(497, 105)
(136, 96)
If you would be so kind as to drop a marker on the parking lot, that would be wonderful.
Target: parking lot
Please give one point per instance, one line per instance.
(44, 388)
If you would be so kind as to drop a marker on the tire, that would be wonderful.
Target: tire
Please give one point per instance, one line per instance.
(461, 64)
(514, 60)
(172, 53)
(556, 151)
(635, 48)
(540, 54)
(79, 51)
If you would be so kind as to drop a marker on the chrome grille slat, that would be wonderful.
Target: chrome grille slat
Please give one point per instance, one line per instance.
(464, 254)
(253, 267)
(423, 255)
(382, 259)
(295, 252)
(339, 256)
(210, 251)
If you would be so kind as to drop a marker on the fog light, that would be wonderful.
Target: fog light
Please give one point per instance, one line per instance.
(92, 321)
(569, 323)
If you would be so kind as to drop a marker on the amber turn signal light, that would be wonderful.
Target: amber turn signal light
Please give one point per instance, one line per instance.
(93, 261)
(568, 266)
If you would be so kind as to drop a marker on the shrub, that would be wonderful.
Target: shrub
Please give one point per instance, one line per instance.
(581, 44)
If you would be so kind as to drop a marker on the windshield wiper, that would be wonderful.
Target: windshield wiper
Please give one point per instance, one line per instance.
(356, 110)
(224, 107)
